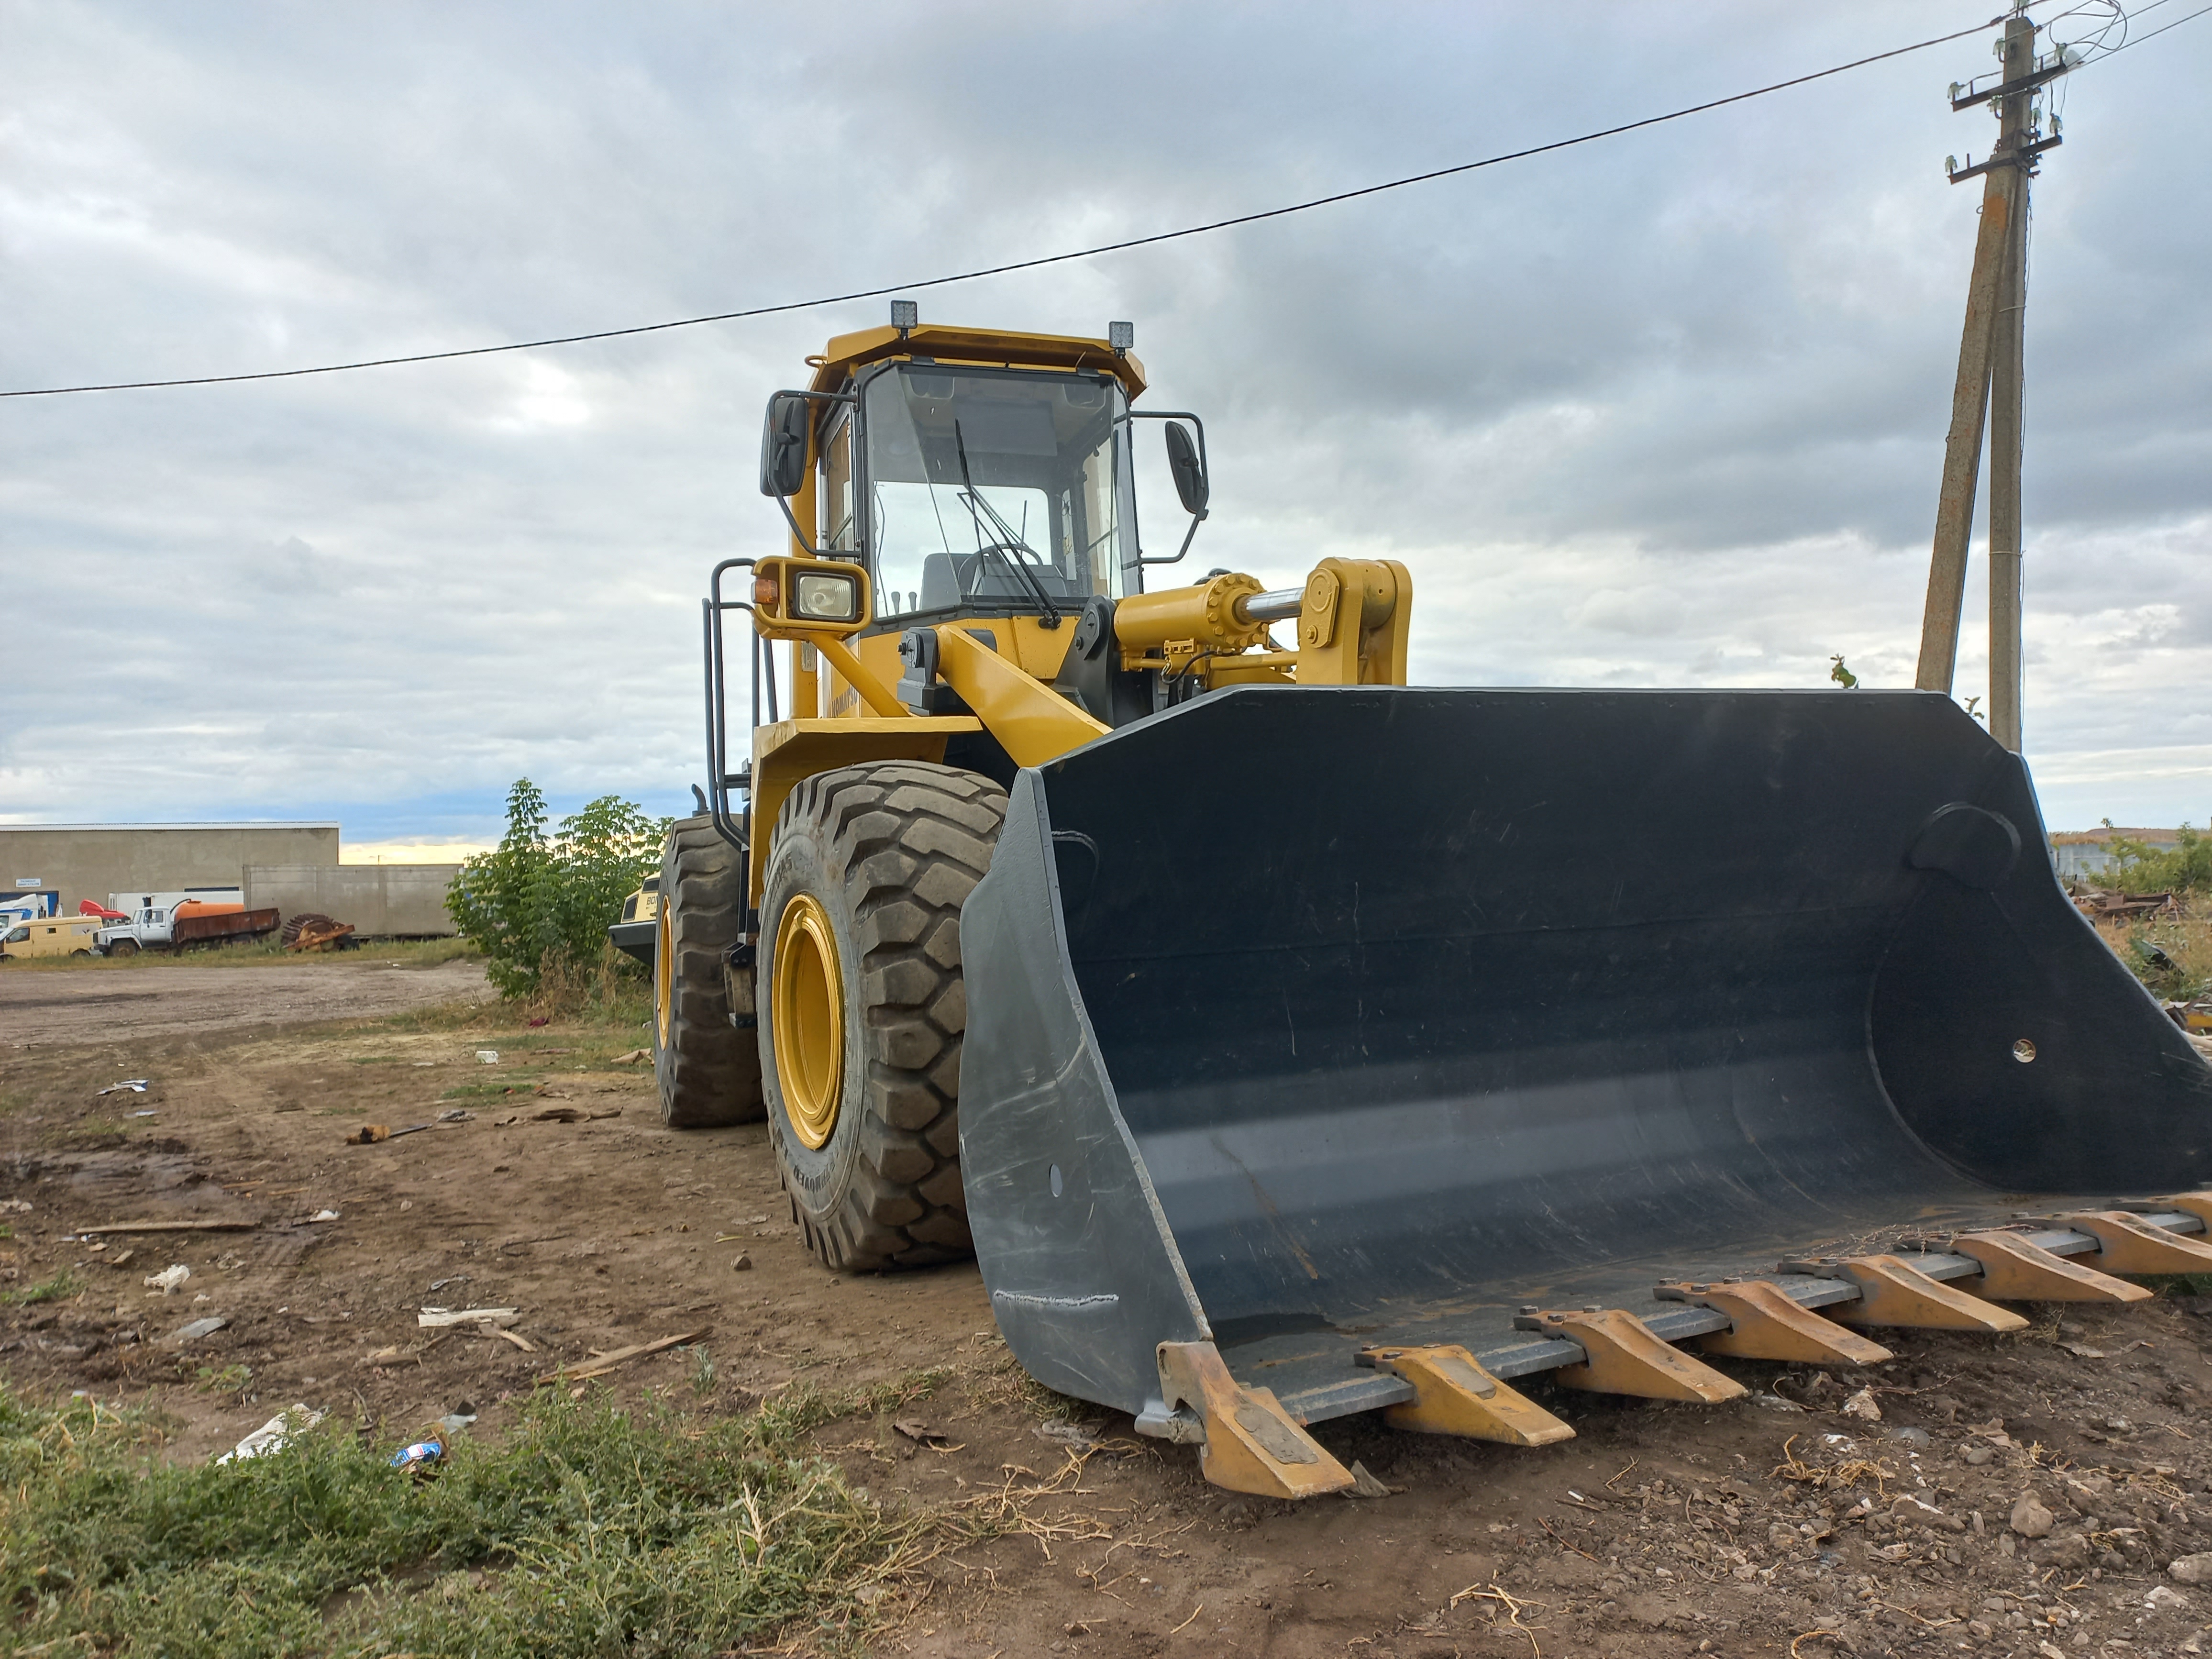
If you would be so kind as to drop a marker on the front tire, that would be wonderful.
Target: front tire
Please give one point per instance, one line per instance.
(862, 1006)
(707, 1070)
(124, 947)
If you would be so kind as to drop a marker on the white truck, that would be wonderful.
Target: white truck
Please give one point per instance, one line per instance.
(30, 906)
(207, 917)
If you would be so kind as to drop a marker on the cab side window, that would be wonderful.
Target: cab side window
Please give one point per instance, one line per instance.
(841, 531)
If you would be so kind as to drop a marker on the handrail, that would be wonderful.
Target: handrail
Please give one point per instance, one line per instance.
(719, 777)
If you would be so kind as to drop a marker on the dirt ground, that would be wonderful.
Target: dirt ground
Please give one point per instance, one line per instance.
(1775, 1526)
(43, 1006)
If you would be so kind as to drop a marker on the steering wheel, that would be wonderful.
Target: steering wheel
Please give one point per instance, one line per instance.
(1013, 554)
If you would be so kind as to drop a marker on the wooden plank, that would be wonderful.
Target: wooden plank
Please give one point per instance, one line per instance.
(431, 1319)
(166, 1227)
(607, 1362)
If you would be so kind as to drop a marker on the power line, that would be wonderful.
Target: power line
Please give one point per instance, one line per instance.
(2155, 32)
(1158, 237)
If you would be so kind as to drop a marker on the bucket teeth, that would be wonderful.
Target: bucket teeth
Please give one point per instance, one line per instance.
(1251, 1443)
(2014, 1270)
(1890, 1292)
(1765, 1322)
(2128, 1244)
(1626, 1356)
(1453, 1394)
(2196, 1204)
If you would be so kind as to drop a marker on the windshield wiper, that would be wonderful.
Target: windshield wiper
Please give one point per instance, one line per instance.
(972, 498)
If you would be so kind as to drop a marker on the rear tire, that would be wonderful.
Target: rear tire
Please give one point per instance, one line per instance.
(884, 855)
(708, 1070)
(74, 955)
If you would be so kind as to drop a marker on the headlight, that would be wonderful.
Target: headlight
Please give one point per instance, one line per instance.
(817, 597)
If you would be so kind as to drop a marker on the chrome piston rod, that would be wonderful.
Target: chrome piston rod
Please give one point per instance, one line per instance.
(1277, 606)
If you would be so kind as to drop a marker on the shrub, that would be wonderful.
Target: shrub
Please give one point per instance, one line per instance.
(2143, 868)
(538, 904)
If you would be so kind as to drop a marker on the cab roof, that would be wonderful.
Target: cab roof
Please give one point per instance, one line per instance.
(996, 347)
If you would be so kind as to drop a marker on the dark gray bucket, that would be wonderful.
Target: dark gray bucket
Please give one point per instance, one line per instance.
(1303, 1017)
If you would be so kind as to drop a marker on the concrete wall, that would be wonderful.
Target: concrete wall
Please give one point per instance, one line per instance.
(407, 900)
(91, 860)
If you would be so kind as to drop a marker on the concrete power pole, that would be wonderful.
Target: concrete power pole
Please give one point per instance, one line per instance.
(1988, 388)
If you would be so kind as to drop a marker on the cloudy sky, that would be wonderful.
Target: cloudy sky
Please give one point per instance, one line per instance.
(1664, 410)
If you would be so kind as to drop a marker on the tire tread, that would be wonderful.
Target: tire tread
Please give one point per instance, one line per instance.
(709, 1071)
(913, 838)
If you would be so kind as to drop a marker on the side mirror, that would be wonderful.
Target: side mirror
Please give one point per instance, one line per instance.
(1188, 468)
(784, 443)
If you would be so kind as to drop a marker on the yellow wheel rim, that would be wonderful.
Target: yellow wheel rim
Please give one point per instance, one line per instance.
(664, 978)
(808, 1007)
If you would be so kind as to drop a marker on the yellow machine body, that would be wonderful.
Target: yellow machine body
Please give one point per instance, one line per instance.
(1271, 1029)
(1349, 627)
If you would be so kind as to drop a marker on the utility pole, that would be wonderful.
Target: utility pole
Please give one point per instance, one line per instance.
(1988, 387)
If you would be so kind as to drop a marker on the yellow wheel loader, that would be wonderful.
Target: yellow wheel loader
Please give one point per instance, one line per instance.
(1286, 1042)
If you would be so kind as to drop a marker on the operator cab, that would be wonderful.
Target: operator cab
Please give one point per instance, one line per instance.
(968, 484)
(982, 489)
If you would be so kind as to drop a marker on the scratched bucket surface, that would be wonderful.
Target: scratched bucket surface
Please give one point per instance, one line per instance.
(1306, 1017)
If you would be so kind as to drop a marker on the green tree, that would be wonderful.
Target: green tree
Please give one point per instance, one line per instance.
(2142, 868)
(540, 903)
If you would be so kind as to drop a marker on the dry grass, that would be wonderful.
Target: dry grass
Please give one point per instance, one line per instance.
(253, 953)
(2184, 942)
(581, 991)
(995, 1378)
(1842, 1475)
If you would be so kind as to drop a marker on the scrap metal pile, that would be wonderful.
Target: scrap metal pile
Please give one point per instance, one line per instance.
(310, 931)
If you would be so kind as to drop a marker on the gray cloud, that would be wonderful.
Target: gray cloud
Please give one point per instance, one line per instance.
(1664, 410)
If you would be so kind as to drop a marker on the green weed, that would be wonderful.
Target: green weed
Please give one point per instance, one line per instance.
(231, 1379)
(2142, 868)
(62, 1285)
(522, 1084)
(590, 1530)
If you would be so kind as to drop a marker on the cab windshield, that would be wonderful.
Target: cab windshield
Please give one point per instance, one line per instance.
(986, 489)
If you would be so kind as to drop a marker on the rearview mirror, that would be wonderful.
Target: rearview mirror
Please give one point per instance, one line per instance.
(783, 444)
(1188, 468)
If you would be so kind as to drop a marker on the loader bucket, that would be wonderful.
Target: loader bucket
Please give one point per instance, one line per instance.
(1306, 1019)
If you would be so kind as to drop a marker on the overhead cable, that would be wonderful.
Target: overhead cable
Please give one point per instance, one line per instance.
(882, 289)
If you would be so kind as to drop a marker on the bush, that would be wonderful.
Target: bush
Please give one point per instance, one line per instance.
(2146, 869)
(539, 904)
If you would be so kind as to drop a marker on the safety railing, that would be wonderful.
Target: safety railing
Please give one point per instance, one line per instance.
(720, 780)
